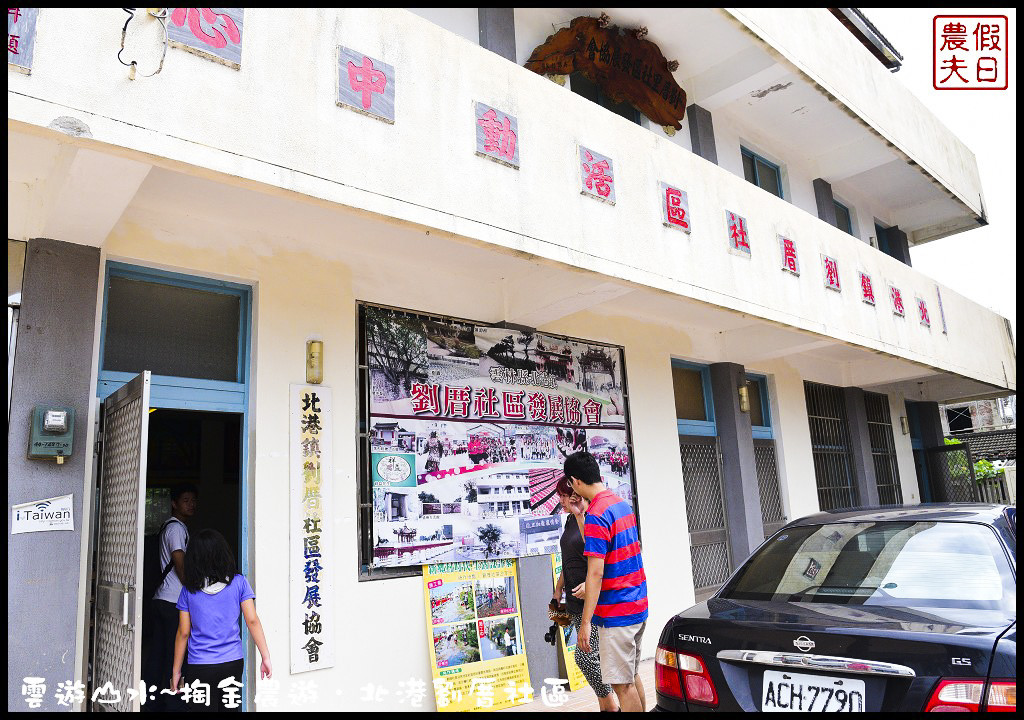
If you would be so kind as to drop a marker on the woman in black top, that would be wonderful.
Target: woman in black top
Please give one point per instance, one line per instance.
(573, 579)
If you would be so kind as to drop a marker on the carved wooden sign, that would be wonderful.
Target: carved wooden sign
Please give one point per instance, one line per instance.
(625, 66)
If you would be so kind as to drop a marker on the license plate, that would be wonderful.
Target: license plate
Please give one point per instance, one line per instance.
(797, 692)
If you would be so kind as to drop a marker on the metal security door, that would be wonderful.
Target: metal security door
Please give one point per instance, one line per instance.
(772, 514)
(831, 446)
(121, 496)
(951, 471)
(883, 449)
(705, 513)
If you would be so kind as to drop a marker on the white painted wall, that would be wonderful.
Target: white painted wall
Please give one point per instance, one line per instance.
(295, 138)
(808, 39)
(307, 287)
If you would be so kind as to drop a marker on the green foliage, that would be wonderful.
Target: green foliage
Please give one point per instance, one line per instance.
(428, 497)
(983, 470)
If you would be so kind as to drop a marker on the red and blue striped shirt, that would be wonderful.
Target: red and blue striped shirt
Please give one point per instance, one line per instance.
(610, 533)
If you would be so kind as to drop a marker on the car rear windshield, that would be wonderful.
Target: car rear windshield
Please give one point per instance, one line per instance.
(910, 564)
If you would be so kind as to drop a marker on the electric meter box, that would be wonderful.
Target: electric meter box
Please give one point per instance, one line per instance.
(53, 432)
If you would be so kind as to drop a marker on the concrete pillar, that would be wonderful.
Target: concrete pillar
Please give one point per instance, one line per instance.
(702, 133)
(535, 588)
(899, 246)
(825, 201)
(741, 496)
(498, 31)
(53, 365)
(860, 446)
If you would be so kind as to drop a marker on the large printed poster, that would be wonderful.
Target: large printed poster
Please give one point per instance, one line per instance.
(475, 629)
(469, 427)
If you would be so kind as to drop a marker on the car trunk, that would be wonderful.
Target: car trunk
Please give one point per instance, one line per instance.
(933, 642)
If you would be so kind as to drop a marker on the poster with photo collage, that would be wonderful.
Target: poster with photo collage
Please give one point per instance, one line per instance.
(475, 634)
(469, 428)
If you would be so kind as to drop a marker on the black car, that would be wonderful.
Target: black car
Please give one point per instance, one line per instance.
(889, 609)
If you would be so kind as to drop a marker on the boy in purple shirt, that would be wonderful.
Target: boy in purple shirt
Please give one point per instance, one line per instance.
(208, 605)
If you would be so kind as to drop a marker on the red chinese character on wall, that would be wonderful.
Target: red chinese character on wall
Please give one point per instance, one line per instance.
(456, 401)
(866, 290)
(831, 273)
(596, 177)
(789, 259)
(538, 406)
(498, 135)
(12, 44)
(592, 411)
(738, 238)
(216, 21)
(513, 404)
(897, 301)
(922, 311)
(367, 80)
(674, 211)
(426, 398)
(16, 12)
(485, 403)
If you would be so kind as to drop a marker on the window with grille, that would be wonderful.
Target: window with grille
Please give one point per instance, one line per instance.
(830, 446)
(883, 449)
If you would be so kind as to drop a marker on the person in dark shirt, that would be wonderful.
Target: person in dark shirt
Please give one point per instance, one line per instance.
(573, 581)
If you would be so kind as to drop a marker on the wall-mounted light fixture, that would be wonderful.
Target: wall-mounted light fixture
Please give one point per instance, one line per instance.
(904, 425)
(314, 362)
(744, 393)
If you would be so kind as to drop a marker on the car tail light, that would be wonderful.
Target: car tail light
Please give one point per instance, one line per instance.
(1002, 696)
(666, 674)
(955, 695)
(669, 666)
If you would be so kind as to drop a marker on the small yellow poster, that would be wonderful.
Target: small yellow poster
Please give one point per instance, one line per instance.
(475, 632)
(576, 678)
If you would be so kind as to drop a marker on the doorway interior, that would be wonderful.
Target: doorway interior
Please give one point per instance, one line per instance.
(189, 337)
(202, 448)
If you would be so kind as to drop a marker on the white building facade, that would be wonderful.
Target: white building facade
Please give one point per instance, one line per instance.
(136, 196)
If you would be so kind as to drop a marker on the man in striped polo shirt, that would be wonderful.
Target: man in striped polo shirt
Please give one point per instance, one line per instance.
(616, 589)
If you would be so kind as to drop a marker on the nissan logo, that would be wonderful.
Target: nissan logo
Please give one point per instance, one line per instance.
(803, 643)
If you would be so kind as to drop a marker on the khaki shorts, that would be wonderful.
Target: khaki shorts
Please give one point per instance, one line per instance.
(620, 652)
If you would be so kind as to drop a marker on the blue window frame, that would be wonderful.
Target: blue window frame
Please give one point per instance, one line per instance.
(844, 221)
(196, 393)
(761, 172)
(184, 392)
(760, 409)
(696, 423)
